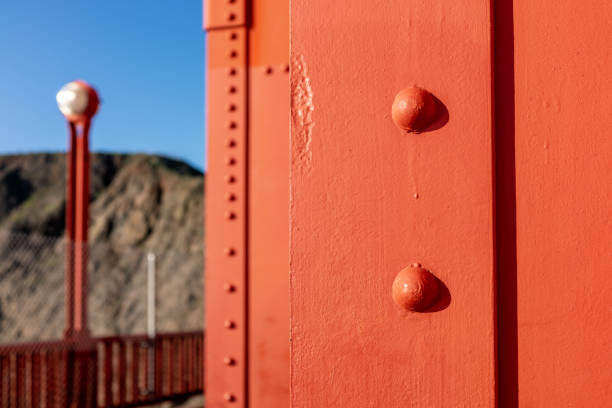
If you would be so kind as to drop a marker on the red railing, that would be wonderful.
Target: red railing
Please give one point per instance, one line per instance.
(105, 372)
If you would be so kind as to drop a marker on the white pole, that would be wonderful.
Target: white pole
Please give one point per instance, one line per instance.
(151, 295)
(151, 320)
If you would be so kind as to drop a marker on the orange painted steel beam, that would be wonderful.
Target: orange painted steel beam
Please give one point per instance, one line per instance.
(268, 237)
(268, 165)
(563, 253)
(224, 14)
(226, 208)
(247, 198)
(370, 201)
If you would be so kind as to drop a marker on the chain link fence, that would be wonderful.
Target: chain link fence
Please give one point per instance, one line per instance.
(32, 289)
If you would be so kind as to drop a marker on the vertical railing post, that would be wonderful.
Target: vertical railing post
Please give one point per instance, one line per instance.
(50, 378)
(34, 362)
(108, 373)
(122, 372)
(158, 367)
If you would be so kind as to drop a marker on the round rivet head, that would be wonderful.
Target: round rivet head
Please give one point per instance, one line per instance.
(414, 109)
(415, 288)
(229, 397)
(228, 324)
(228, 361)
(228, 287)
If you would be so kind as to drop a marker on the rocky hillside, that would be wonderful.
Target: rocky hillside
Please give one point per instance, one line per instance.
(139, 204)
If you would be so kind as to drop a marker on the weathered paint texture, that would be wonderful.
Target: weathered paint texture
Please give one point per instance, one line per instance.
(302, 114)
(373, 199)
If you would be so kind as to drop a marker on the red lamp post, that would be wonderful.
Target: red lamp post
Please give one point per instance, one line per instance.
(78, 102)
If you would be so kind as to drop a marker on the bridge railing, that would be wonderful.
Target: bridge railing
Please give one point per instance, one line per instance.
(106, 372)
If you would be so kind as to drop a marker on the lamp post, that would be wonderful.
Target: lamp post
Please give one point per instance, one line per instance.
(78, 102)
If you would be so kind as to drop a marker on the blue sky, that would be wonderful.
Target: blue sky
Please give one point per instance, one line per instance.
(145, 58)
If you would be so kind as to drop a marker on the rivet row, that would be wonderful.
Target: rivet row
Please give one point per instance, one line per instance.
(230, 160)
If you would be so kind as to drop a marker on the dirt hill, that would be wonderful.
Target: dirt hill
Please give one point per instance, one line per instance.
(139, 204)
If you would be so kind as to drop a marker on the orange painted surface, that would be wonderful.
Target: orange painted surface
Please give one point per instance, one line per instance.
(247, 328)
(226, 285)
(563, 95)
(269, 238)
(269, 36)
(268, 343)
(368, 200)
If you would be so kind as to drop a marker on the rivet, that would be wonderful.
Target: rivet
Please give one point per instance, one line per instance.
(230, 178)
(231, 17)
(230, 197)
(230, 215)
(413, 109)
(228, 287)
(228, 324)
(268, 70)
(231, 1)
(231, 89)
(415, 288)
(232, 54)
(232, 125)
(232, 36)
(230, 161)
(231, 107)
(231, 71)
(228, 361)
(286, 70)
(229, 397)
(229, 251)
(230, 143)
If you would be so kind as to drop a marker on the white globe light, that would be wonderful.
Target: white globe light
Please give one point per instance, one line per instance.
(72, 99)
